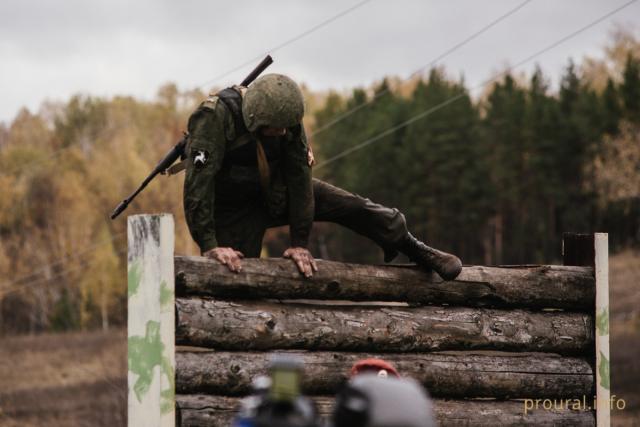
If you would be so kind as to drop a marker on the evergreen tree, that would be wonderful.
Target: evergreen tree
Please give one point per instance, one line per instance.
(576, 135)
(630, 89)
(446, 187)
(611, 110)
(368, 171)
(542, 183)
(502, 133)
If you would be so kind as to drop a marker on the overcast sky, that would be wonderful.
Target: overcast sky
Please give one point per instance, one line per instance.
(54, 49)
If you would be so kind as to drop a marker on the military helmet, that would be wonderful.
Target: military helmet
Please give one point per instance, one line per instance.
(272, 100)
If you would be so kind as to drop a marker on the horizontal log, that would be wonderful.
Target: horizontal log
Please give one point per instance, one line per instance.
(464, 374)
(253, 325)
(209, 411)
(531, 287)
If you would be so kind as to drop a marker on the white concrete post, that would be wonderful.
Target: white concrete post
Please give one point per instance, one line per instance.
(603, 379)
(151, 327)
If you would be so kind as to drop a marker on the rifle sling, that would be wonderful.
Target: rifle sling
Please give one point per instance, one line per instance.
(232, 99)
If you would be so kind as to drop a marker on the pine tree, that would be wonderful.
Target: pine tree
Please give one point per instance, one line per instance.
(542, 183)
(611, 109)
(630, 89)
(503, 139)
(446, 180)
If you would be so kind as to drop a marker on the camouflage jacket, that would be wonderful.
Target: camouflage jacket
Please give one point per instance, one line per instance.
(220, 182)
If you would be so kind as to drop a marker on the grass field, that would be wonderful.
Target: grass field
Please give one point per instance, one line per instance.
(79, 379)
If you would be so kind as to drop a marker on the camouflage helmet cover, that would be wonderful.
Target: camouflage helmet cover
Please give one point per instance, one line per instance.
(272, 100)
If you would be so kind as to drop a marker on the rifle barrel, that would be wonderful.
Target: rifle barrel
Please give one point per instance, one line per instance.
(257, 71)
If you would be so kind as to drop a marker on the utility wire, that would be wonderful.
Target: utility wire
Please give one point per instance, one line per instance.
(29, 285)
(62, 259)
(431, 110)
(237, 67)
(226, 73)
(65, 270)
(220, 76)
(452, 99)
(286, 43)
(422, 68)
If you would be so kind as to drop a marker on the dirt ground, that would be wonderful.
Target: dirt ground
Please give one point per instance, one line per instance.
(624, 327)
(66, 380)
(79, 379)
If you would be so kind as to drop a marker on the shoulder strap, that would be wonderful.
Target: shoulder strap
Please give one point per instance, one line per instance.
(232, 99)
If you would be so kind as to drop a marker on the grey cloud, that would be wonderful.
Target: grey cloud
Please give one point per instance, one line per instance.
(52, 49)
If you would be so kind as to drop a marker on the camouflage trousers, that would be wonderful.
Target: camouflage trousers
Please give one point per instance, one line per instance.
(243, 229)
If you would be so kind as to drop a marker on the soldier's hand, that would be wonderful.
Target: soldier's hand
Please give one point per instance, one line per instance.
(303, 259)
(227, 256)
(311, 159)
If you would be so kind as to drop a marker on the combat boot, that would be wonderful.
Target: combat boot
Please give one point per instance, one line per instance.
(448, 266)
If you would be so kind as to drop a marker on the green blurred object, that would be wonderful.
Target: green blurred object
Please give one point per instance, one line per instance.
(286, 375)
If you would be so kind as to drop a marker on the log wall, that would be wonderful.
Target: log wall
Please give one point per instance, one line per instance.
(481, 344)
(485, 345)
(208, 410)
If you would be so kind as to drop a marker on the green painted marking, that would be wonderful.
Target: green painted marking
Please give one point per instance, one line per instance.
(166, 294)
(603, 370)
(145, 353)
(134, 276)
(602, 322)
(167, 396)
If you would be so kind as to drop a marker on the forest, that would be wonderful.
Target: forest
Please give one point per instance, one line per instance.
(495, 175)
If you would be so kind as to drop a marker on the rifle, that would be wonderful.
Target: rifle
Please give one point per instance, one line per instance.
(178, 150)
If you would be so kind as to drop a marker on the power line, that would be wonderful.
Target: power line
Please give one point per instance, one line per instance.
(437, 107)
(463, 94)
(54, 154)
(31, 284)
(422, 68)
(384, 92)
(234, 69)
(63, 259)
(65, 270)
(287, 42)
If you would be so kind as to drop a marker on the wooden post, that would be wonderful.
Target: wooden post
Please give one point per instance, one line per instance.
(593, 250)
(151, 321)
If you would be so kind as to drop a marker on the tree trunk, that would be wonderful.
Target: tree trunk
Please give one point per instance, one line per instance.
(497, 375)
(104, 312)
(534, 287)
(251, 325)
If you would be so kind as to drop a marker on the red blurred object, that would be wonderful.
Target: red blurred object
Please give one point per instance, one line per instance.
(373, 366)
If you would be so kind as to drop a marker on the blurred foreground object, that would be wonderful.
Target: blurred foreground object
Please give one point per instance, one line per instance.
(277, 401)
(379, 367)
(371, 401)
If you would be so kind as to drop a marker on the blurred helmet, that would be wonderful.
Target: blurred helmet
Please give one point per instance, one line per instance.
(273, 100)
(371, 401)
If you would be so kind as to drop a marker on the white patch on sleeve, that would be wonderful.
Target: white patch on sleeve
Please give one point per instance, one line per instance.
(200, 158)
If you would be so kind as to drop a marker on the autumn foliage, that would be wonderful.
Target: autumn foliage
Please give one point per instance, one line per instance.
(496, 178)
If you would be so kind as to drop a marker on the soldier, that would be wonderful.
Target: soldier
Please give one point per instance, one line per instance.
(249, 168)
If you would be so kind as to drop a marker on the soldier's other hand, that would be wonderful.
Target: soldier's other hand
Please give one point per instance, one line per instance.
(303, 259)
(227, 256)
(311, 159)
